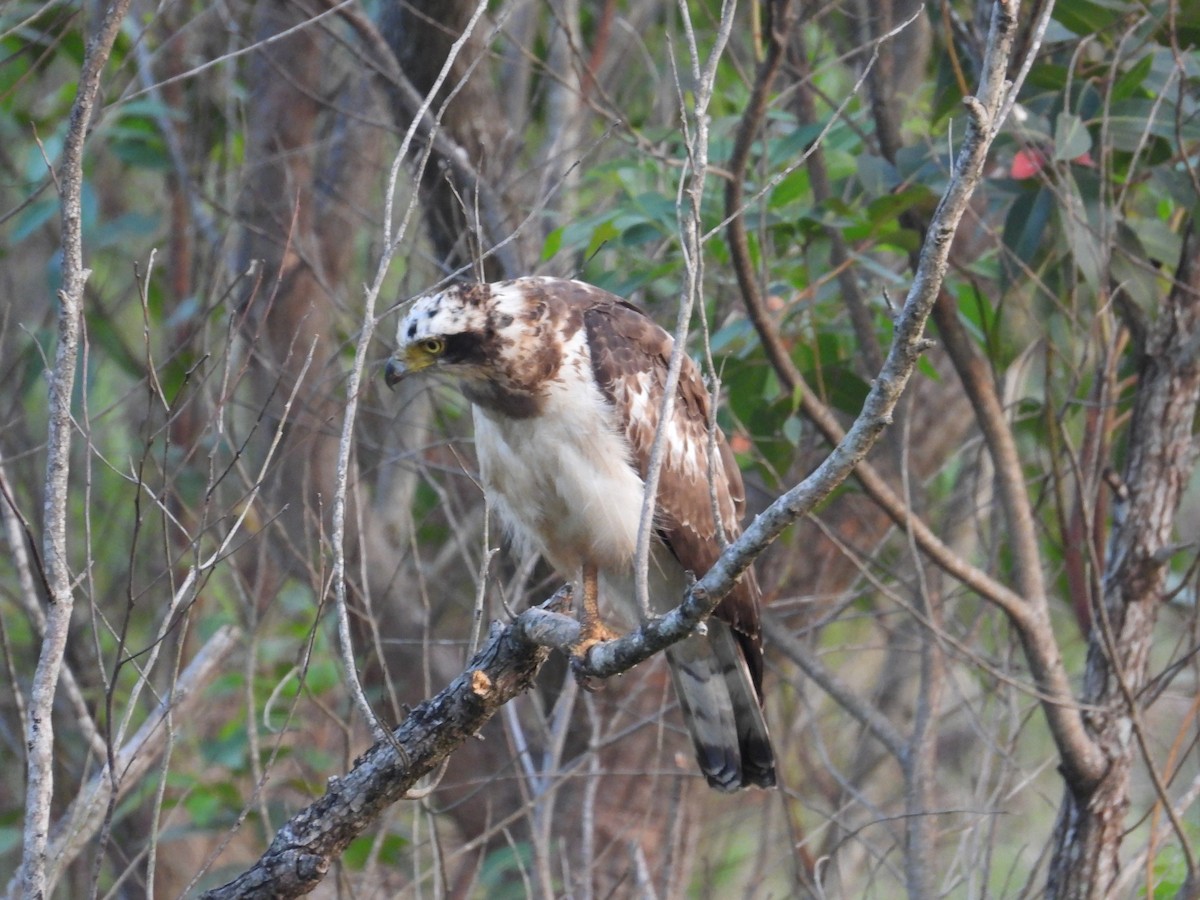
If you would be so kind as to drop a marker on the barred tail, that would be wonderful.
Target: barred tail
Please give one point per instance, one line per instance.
(721, 709)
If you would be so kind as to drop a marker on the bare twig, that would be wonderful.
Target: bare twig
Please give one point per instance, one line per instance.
(40, 727)
(691, 228)
(847, 698)
(392, 241)
(78, 825)
(234, 54)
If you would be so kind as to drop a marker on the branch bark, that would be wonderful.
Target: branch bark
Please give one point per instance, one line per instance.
(39, 789)
(305, 848)
(1161, 457)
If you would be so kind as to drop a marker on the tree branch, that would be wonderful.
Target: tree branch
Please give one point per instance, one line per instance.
(793, 381)
(39, 787)
(307, 845)
(83, 818)
(1027, 605)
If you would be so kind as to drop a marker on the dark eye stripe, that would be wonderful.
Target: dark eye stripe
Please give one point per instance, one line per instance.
(466, 347)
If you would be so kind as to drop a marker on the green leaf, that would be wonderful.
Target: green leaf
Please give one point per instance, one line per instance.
(787, 148)
(792, 188)
(603, 233)
(977, 311)
(1131, 79)
(793, 430)
(1026, 224)
(34, 217)
(877, 175)
(745, 383)
(1076, 216)
(738, 334)
(847, 391)
(106, 336)
(552, 244)
(657, 208)
(205, 808)
(1071, 138)
(1131, 121)
(391, 850)
(322, 676)
(1090, 17)
(212, 804)
(926, 368)
(500, 874)
(640, 233)
(142, 152)
(119, 231)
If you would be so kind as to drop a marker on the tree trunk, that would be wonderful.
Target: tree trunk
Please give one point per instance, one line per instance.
(422, 34)
(1157, 469)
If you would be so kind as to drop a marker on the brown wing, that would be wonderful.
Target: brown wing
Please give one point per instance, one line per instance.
(718, 678)
(630, 355)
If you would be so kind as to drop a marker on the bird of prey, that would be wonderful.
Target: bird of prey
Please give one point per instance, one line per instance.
(566, 382)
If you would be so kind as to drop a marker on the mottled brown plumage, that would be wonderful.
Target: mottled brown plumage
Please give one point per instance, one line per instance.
(566, 383)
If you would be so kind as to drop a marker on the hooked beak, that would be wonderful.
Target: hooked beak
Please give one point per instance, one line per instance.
(394, 372)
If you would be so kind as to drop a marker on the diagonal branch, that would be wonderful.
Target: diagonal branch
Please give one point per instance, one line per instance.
(1026, 606)
(307, 845)
(793, 381)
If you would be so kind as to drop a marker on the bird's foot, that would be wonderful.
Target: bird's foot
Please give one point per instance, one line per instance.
(591, 633)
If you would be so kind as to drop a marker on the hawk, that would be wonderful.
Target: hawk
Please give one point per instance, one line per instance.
(566, 382)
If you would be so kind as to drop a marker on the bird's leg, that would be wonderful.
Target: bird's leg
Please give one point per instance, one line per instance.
(592, 629)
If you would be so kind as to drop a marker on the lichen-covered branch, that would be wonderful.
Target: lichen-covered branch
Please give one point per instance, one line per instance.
(307, 845)
(40, 729)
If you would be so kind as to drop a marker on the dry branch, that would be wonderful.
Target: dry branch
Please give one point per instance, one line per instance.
(78, 826)
(306, 846)
(40, 728)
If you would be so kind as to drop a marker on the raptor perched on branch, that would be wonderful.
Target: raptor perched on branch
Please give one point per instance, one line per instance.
(566, 383)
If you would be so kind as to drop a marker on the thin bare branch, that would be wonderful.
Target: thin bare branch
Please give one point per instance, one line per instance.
(40, 727)
(76, 828)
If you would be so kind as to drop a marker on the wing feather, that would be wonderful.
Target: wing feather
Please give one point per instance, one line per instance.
(630, 354)
(718, 679)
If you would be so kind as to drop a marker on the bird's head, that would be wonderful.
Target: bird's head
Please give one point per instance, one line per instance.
(503, 342)
(450, 331)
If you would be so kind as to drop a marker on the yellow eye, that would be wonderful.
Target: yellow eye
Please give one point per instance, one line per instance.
(433, 346)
